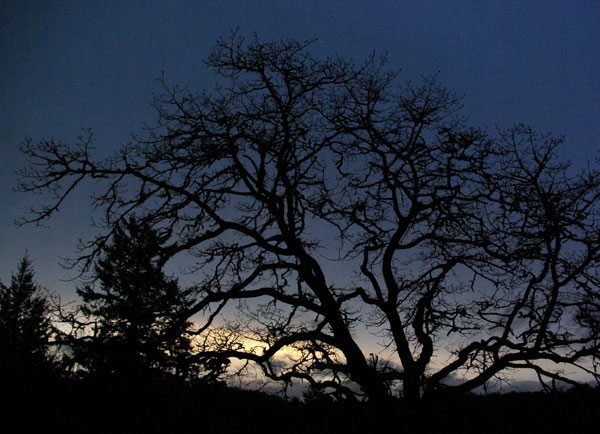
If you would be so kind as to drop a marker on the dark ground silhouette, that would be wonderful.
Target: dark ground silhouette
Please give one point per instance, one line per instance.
(105, 406)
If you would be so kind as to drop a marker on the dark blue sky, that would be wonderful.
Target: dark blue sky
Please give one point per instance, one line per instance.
(65, 66)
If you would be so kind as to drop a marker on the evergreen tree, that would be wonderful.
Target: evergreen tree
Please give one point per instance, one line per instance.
(25, 326)
(134, 312)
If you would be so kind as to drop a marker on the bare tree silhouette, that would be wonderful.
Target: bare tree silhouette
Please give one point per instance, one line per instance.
(482, 249)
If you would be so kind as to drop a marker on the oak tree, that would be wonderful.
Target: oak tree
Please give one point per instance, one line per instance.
(324, 200)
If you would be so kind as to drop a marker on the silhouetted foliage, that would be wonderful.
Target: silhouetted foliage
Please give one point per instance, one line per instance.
(133, 324)
(482, 250)
(25, 328)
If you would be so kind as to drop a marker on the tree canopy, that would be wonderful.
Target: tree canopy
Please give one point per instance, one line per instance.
(132, 322)
(25, 327)
(472, 253)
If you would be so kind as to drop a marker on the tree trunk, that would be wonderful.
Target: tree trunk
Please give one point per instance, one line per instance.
(411, 388)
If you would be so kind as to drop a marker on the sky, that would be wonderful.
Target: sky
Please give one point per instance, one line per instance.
(66, 66)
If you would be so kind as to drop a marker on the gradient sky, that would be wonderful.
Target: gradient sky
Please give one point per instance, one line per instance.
(68, 65)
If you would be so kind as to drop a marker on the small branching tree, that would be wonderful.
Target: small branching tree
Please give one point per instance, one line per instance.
(26, 331)
(473, 254)
(133, 322)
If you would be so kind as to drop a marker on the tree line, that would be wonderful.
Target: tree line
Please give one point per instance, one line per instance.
(129, 326)
(473, 254)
